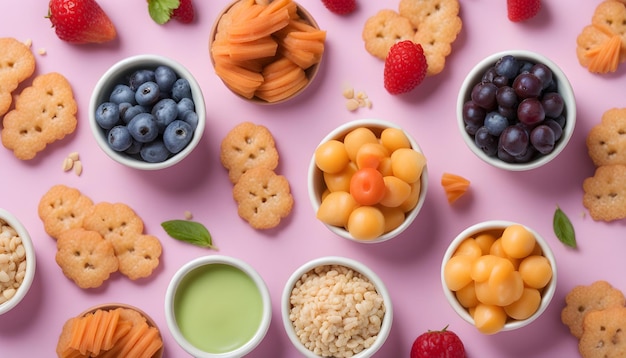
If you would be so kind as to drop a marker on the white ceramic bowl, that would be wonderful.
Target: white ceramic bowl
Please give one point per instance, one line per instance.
(564, 88)
(190, 271)
(316, 185)
(355, 266)
(311, 72)
(499, 225)
(118, 74)
(31, 261)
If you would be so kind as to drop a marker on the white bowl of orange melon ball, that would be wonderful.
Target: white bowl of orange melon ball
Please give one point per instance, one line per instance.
(266, 52)
(367, 180)
(499, 275)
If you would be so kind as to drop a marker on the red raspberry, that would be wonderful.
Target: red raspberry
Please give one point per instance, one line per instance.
(340, 7)
(184, 12)
(522, 10)
(438, 344)
(405, 67)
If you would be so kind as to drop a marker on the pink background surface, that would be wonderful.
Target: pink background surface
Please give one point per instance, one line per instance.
(409, 264)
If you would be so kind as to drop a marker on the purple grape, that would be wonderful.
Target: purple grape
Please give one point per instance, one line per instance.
(544, 74)
(514, 140)
(484, 95)
(530, 111)
(543, 139)
(489, 75)
(473, 113)
(486, 142)
(509, 113)
(525, 66)
(553, 104)
(507, 66)
(527, 85)
(506, 97)
(556, 128)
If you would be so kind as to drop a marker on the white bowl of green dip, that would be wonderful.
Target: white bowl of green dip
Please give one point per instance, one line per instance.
(217, 307)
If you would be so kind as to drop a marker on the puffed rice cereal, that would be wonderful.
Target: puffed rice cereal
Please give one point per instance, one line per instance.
(336, 311)
(12, 261)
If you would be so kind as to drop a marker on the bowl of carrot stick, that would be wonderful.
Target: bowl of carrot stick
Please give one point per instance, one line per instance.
(267, 52)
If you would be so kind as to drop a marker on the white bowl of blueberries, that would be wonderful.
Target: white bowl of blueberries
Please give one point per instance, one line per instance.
(516, 110)
(147, 112)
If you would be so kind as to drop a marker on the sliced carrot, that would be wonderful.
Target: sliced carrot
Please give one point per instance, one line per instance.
(86, 344)
(240, 80)
(78, 332)
(132, 337)
(154, 346)
(263, 47)
(250, 65)
(258, 27)
(605, 58)
(295, 25)
(454, 186)
(139, 349)
(287, 79)
(111, 328)
(283, 92)
(278, 5)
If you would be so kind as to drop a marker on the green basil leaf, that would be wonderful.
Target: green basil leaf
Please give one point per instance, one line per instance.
(189, 231)
(563, 228)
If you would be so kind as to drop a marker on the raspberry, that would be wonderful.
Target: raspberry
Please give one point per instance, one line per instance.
(340, 7)
(521, 10)
(405, 67)
(438, 344)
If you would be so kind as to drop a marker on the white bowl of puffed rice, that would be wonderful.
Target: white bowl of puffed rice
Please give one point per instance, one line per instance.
(311, 309)
(17, 261)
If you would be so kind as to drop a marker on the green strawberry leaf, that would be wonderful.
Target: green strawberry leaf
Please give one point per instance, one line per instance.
(189, 231)
(563, 228)
(161, 10)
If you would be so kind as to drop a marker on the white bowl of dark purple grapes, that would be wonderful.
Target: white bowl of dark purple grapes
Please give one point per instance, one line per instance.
(516, 110)
(147, 112)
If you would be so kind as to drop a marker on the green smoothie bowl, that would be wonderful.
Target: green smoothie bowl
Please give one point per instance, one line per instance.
(217, 306)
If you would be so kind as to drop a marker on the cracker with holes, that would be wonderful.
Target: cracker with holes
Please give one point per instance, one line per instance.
(604, 334)
(605, 193)
(119, 224)
(247, 146)
(44, 113)
(606, 141)
(17, 63)
(583, 299)
(85, 257)
(383, 30)
(263, 198)
(62, 208)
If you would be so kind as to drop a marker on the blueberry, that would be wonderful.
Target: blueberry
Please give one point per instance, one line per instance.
(119, 138)
(177, 135)
(140, 77)
(143, 128)
(134, 148)
(131, 112)
(184, 105)
(507, 66)
(154, 152)
(165, 111)
(122, 93)
(181, 89)
(165, 78)
(107, 115)
(147, 94)
(191, 117)
(495, 123)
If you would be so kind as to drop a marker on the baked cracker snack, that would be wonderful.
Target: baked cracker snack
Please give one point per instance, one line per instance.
(603, 334)
(263, 197)
(85, 257)
(605, 193)
(62, 208)
(17, 63)
(247, 146)
(44, 112)
(383, 30)
(138, 256)
(606, 142)
(584, 299)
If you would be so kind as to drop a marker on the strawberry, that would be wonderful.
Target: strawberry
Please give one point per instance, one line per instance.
(340, 7)
(438, 344)
(405, 67)
(522, 10)
(184, 12)
(80, 21)
(162, 11)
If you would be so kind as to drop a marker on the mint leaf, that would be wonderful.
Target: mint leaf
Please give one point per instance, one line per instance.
(189, 231)
(563, 228)
(161, 10)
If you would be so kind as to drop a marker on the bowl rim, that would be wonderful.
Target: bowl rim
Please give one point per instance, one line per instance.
(31, 261)
(127, 65)
(311, 72)
(313, 178)
(212, 260)
(549, 290)
(565, 88)
(356, 266)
